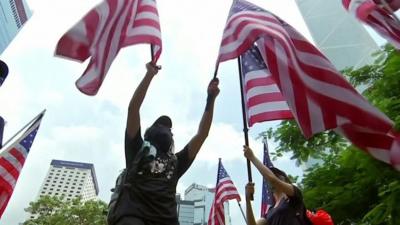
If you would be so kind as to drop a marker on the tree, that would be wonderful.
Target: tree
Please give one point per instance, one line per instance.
(352, 186)
(56, 211)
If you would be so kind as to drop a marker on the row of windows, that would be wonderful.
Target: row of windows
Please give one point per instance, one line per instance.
(71, 170)
(62, 178)
(51, 189)
(15, 14)
(61, 182)
(64, 175)
(45, 188)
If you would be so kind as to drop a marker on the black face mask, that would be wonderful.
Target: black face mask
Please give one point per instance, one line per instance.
(161, 137)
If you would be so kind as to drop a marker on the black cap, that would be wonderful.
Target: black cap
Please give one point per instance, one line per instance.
(163, 120)
(3, 69)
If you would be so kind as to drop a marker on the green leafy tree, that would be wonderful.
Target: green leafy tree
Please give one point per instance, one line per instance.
(56, 211)
(351, 185)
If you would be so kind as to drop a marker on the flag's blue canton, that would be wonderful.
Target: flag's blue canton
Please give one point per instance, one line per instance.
(222, 172)
(267, 159)
(240, 5)
(252, 60)
(28, 140)
(267, 197)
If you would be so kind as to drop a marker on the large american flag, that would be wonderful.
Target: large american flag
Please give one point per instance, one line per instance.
(319, 97)
(12, 160)
(225, 190)
(375, 14)
(107, 28)
(267, 199)
(264, 100)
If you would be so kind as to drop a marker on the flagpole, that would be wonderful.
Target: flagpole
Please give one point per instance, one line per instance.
(23, 128)
(241, 210)
(152, 52)
(387, 6)
(245, 129)
(216, 71)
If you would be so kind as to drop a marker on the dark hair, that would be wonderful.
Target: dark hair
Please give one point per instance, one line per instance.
(3, 70)
(159, 134)
(164, 121)
(280, 174)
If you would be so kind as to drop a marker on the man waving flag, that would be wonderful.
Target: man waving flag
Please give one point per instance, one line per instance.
(107, 28)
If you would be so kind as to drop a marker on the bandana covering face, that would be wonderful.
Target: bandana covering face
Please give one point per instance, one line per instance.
(161, 137)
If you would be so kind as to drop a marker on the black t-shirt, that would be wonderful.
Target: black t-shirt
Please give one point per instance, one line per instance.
(152, 191)
(289, 211)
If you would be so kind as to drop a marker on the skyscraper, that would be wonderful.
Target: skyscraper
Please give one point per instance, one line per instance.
(203, 197)
(71, 180)
(342, 38)
(185, 211)
(13, 15)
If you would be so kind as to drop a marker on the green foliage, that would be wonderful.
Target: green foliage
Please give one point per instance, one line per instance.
(56, 211)
(351, 185)
(290, 139)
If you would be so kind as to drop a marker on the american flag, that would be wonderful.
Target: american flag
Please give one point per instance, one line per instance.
(225, 190)
(319, 97)
(375, 14)
(264, 100)
(12, 160)
(267, 199)
(107, 28)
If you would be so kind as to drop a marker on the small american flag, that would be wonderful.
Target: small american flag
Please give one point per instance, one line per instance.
(225, 190)
(267, 199)
(107, 28)
(264, 100)
(12, 160)
(375, 14)
(319, 97)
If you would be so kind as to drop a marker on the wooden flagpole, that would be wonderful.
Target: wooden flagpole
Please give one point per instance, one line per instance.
(23, 128)
(245, 129)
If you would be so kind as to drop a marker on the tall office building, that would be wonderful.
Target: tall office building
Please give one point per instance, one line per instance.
(203, 198)
(71, 180)
(13, 15)
(342, 38)
(185, 211)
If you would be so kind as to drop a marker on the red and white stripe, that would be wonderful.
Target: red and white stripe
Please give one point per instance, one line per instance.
(12, 160)
(319, 97)
(376, 15)
(264, 101)
(102, 32)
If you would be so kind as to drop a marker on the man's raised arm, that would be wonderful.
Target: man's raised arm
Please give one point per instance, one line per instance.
(205, 123)
(133, 121)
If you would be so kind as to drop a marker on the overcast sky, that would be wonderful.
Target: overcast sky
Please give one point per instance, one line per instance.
(87, 129)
